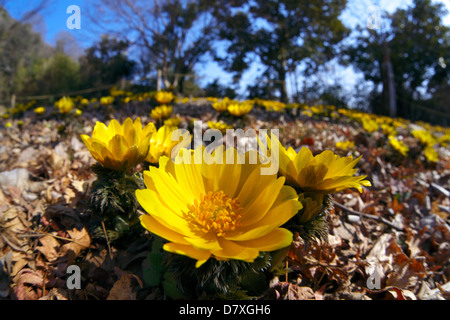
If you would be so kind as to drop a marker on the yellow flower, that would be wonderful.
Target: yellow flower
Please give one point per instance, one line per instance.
(39, 110)
(78, 112)
(161, 112)
(443, 140)
(424, 137)
(345, 145)
(369, 124)
(307, 113)
(317, 109)
(398, 145)
(164, 97)
(222, 211)
(212, 99)
(431, 154)
(270, 105)
(84, 102)
(119, 147)
(240, 108)
(161, 143)
(65, 104)
(219, 126)
(106, 101)
(8, 125)
(222, 105)
(325, 173)
(388, 130)
(126, 99)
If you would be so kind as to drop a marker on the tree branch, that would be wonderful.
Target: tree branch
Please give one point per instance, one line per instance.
(368, 216)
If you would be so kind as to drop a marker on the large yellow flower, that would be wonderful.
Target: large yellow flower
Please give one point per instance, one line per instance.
(222, 211)
(325, 173)
(161, 143)
(119, 147)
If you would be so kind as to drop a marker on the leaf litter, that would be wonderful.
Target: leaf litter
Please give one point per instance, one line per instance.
(390, 242)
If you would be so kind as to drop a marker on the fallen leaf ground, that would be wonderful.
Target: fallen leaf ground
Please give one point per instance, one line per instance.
(390, 242)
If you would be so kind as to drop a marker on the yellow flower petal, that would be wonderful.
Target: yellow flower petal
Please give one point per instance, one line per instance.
(151, 224)
(201, 255)
(260, 204)
(274, 240)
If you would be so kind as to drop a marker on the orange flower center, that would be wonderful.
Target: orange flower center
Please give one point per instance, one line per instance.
(215, 212)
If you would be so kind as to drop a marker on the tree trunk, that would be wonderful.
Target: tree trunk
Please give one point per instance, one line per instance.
(158, 80)
(387, 75)
(282, 85)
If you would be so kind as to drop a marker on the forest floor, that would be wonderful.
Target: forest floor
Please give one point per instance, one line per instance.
(392, 241)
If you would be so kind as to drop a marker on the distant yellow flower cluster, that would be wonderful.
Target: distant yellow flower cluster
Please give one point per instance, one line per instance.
(221, 126)
(234, 107)
(398, 131)
(345, 145)
(270, 105)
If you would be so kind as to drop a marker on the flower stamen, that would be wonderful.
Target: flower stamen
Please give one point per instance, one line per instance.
(215, 213)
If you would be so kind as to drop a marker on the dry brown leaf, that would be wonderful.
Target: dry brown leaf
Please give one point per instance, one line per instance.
(125, 288)
(291, 291)
(20, 260)
(80, 241)
(392, 265)
(49, 248)
(56, 294)
(29, 284)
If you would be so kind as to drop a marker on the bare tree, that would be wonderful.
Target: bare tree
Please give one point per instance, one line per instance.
(170, 36)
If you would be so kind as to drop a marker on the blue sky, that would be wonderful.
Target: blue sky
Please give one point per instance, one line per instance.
(53, 19)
